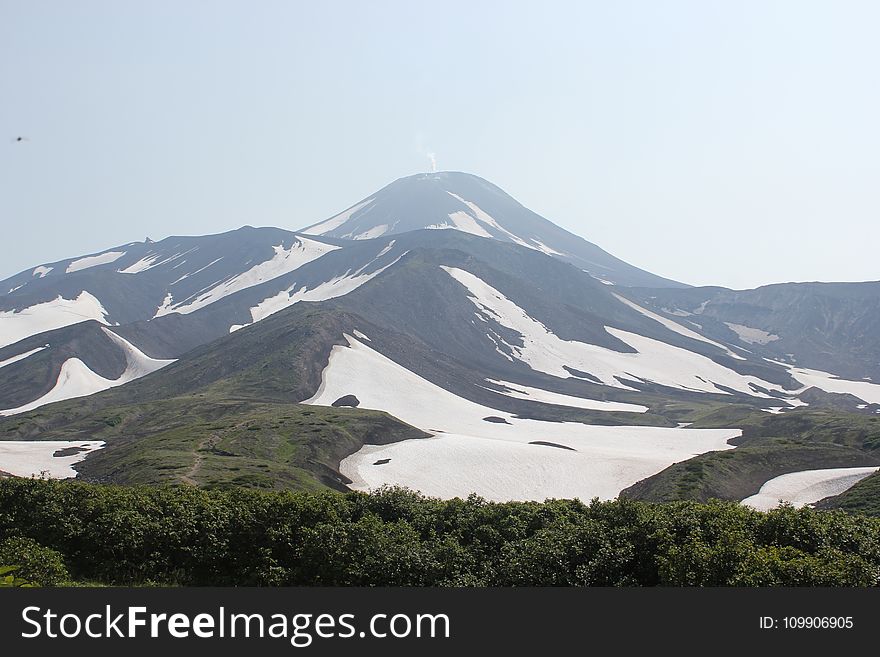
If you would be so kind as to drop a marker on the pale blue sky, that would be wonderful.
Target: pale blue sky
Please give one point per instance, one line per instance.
(732, 143)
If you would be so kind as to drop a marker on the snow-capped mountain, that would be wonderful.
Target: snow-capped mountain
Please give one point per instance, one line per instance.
(170, 296)
(467, 203)
(445, 303)
(162, 299)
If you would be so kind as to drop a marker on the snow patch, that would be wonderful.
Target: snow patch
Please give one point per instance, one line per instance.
(528, 393)
(653, 361)
(467, 224)
(375, 231)
(32, 458)
(41, 271)
(17, 325)
(386, 249)
(165, 306)
(283, 262)
(15, 359)
(546, 249)
(751, 335)
(864, 390)
(806, 487)
(676, 327)
(335, 222)
(94, 261)
(150, 261)
(488, 220)
(335, 287)
(76, 379)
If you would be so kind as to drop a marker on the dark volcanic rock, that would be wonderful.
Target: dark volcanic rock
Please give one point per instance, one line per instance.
(69, 451)
(546, 444)
(347, 400)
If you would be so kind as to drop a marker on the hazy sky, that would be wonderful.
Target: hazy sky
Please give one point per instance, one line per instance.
(733, 143)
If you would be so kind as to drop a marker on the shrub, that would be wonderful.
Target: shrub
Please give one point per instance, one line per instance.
(32, 562)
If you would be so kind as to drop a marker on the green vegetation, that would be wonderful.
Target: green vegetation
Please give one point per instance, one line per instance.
(9, 580)
(771, 445)
(206, 440)
(864, 497)
(190, 536)
(33, 563)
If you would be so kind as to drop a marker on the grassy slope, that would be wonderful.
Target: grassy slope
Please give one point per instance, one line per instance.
(771, 445)
(864, 497)
(209, 441)
(217, 421)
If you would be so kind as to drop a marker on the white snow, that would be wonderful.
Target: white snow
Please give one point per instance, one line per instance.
(32, 458)
(15, 359)
(375, 231)
(676, 327)
(864, 390)
(166, 304)
(528, 393)
(653, 361)
(94, 261)
(197, 271)
(41, 271)
(546, 249)
(486, 218)
(283, 262)
(806, 487)
(360, 335)
(138, 364)
(386, 249)
(775, 410)
(751, 335)
(145, 263)
(76, 379)
(468, 454)
(17, 287)
(336, 287)
(150, 261)
(335, 222)
(466, 223)
(60, 312)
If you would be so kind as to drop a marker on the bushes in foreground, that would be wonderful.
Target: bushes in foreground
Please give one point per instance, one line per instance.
(33, 562)
(122, 535)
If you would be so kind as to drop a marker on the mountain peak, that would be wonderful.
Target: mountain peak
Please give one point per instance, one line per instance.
(465, 202)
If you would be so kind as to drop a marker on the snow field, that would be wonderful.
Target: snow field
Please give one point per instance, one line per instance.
(17, 325)
(468, 454)
(653, 361)
(27, 458)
